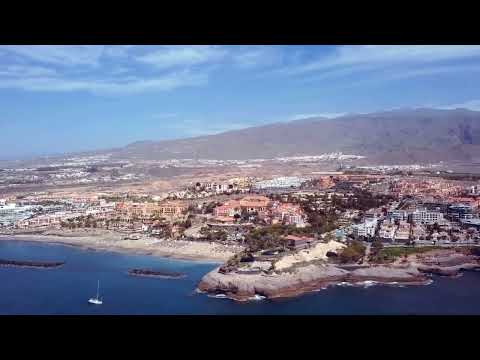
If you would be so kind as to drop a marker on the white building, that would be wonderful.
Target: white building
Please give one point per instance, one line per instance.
(8, 209)
(48, 220)
(280, 182)
(11, 213)
(426, 217)
(366, 229)
(220, 187)
(295, 219)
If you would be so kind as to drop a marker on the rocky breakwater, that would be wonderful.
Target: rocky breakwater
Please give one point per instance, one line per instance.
(31, 264)
(156, 273)
(243, 287)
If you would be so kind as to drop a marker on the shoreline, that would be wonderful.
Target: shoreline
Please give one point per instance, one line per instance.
(316, 286)
(316, 277)
(311, 278)
(92, 242)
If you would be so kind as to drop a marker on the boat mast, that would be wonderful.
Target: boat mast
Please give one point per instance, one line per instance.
(98, 289)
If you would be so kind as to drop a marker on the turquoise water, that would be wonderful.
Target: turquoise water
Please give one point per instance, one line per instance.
(66, 290)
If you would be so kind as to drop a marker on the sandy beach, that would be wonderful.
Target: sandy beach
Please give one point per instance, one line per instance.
(110, 241)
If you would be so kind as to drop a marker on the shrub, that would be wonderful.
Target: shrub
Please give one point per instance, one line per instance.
(354, 252)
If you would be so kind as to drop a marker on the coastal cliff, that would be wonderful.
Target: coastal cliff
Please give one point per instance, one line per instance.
(314, 276)
(243, 287)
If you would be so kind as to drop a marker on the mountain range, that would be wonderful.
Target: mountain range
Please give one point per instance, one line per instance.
(396, 136)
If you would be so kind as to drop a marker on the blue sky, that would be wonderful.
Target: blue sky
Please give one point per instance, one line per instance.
(71, 98)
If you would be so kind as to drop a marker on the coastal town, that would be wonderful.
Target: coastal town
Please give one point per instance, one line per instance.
(186, 179)
(264, 226)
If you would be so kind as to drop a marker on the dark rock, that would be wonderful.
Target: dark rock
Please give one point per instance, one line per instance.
(155, 273)
(31, 264)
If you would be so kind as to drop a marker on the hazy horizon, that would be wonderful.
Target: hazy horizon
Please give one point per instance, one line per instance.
(305, 117)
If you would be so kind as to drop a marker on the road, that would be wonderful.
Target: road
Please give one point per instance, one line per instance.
(423, 245)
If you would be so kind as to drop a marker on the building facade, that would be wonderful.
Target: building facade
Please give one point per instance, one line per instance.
(426, 217)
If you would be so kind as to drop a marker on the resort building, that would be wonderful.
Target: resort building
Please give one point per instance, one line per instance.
(146, 210)
(172, 208)
(426, 217)
(366, 229)
(228, 209)
(280, 182)
(288, 214)
(255, 203)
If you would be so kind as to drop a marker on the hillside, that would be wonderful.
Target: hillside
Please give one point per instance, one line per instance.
(399, 136)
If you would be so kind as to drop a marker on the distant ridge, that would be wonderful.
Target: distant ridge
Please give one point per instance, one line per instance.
(394, 136)
(401, 136)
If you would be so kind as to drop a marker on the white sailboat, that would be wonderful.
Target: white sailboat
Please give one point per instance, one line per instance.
(96, 300)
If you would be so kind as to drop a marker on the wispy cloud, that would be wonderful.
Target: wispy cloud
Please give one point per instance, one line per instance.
(434, 70)
(257, 56)
(366, 64)
(64, 55)
(121, 69)
(26, 71)
(242, 56)
(128, 69)
(392, 74)
(170, 56)
(130, 85)
(360, 55)
(94, 69)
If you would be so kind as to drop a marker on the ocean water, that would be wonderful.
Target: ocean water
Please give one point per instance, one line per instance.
(66, 290)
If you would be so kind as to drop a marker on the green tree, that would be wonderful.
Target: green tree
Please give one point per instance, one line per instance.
(354, 252)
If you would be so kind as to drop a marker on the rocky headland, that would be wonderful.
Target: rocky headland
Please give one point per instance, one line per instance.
(297, 280)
